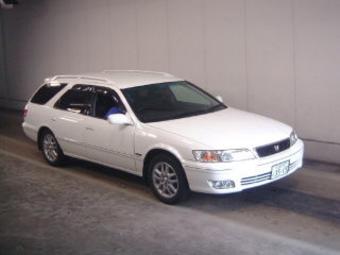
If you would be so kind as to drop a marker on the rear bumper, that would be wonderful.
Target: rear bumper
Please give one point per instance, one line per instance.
(30, 131)
(244, 174)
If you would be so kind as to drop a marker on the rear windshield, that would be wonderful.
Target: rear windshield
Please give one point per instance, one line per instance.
(46, 92)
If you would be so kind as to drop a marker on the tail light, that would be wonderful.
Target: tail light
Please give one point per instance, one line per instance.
(24, 113)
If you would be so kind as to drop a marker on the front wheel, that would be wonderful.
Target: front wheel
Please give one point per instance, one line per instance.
(51, 149)
(167, 179)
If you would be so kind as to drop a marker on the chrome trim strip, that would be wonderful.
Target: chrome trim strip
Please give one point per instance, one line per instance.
(205, 169)
(97, 148)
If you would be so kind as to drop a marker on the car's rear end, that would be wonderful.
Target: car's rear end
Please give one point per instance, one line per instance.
(36, 110)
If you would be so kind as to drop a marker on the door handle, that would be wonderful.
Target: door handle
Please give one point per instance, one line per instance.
(54, 119)
(89, 129)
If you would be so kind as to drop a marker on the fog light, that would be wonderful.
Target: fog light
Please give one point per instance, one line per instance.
(224, 184)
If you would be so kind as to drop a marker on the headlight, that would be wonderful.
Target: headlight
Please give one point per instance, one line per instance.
(293, 138)
(223, 155)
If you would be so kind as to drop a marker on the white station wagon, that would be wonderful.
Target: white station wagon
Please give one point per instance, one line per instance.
(152, 124)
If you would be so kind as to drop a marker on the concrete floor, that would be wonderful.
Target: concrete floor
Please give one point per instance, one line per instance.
(85, 208)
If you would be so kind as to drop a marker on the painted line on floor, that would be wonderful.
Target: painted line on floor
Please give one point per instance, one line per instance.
(267, 235)
(76, 173)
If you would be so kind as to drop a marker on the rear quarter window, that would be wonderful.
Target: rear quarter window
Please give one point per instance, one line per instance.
(46, 92)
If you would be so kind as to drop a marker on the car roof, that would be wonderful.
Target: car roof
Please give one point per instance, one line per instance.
(118, 78)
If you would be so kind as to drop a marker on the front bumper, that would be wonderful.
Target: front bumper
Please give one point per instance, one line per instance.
(245, 174)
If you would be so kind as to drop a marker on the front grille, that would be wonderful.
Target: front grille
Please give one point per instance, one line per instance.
(256, 178)
(273, 148)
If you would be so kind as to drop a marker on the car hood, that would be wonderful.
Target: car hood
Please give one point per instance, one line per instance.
(227, 129)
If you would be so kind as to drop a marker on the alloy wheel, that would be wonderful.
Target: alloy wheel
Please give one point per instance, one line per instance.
(50, 148)
(165, 180)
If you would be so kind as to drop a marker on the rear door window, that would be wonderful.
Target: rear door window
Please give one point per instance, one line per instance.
(79, 99)
(46, 92)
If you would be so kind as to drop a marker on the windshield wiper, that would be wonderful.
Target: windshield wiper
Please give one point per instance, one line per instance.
(189, 114)
(216, 107)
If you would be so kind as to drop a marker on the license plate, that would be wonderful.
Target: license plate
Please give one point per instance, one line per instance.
(280, 169)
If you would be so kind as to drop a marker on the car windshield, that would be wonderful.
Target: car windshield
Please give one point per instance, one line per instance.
(170, 100)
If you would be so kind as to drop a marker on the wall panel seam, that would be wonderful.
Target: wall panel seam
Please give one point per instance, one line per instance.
(245, 28)
(167, 33)
(294, 60)
(204, 35)
(137, 36)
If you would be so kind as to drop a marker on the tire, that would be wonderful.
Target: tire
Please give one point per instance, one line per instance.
(51, 149)
(167, 179)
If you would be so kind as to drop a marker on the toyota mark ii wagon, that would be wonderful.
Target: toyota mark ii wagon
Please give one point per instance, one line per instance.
(171, 132)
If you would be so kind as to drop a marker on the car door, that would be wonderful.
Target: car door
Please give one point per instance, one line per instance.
(70, 112)
(108, 143)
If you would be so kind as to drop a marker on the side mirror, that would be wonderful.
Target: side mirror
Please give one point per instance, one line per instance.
(119, 119)
(219, 98)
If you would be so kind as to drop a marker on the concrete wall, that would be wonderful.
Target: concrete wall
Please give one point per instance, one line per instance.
(279, 58)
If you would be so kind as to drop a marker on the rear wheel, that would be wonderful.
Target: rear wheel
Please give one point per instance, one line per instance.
(167, 179)
(51, 149)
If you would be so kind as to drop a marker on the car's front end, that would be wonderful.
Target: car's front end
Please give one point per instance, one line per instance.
(234, 176)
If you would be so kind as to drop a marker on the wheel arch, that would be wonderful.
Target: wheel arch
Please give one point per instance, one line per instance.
(41, 130)
(156, 151)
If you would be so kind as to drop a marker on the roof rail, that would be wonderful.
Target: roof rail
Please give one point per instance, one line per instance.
(75, 77)
(63, 76)
(94, 78)
(139, 71)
